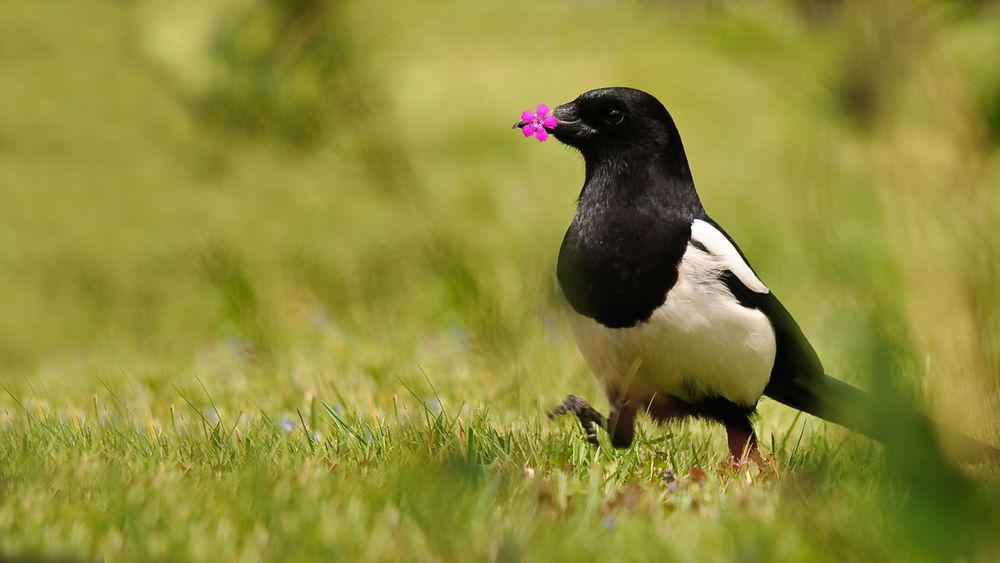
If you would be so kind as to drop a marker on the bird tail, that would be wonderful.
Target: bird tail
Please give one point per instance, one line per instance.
(835, 401)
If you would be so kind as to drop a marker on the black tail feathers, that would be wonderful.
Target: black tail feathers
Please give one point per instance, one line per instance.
(840, 403)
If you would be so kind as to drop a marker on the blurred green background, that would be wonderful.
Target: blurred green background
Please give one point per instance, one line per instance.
(274, 201)
(335, 183)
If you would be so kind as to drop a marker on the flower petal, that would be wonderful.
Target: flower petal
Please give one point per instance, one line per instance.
(528, 130)
(550, 122)
(526, 115)
(541, 134)
(542, 110)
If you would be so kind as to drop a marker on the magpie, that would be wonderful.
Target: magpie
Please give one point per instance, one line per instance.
(666, 309)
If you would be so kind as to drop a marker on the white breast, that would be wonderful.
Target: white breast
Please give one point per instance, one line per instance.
(700, 343)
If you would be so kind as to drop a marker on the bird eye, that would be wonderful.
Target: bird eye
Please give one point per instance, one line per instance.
(614, 117)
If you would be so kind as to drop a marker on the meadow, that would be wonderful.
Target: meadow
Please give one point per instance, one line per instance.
(277, 280)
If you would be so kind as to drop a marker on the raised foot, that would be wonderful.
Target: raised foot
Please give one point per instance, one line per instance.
(589, 418)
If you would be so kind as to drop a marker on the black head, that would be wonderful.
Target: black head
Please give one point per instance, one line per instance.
(617, 123)
(631, 147)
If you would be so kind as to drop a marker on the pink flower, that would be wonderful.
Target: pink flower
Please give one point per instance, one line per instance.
(539, 123)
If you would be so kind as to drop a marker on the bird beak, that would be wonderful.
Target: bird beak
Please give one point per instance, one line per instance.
(570, 127)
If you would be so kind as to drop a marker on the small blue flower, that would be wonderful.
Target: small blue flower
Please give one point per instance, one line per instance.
(461, 337)
(672, 487)
(319, 316)
(668, 474)
(287, 425)
(211, 415)
(240, 348)
(434, 405)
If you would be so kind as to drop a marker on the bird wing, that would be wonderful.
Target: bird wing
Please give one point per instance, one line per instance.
(797, 377)
(794, 356)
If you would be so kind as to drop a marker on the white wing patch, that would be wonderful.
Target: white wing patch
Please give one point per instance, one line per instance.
(719, 245)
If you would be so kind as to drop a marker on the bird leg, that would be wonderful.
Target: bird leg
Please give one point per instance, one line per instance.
(589, 418)
(742, 440)
(621, 424)
(743, 449)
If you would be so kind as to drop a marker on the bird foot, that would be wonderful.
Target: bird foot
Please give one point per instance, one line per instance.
(767, 468)
(589, 418)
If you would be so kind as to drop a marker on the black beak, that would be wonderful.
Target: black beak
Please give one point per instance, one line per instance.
(571, 128)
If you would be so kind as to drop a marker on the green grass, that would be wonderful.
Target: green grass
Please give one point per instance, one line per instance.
(421, 485)
(278, 279)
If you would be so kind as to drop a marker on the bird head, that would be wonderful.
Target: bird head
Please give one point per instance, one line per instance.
(616, 123)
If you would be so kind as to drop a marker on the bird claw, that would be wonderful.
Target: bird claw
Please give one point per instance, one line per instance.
(589, 418)
(767, 466)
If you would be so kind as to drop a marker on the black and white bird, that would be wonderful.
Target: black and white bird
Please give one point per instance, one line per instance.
(667, 311)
